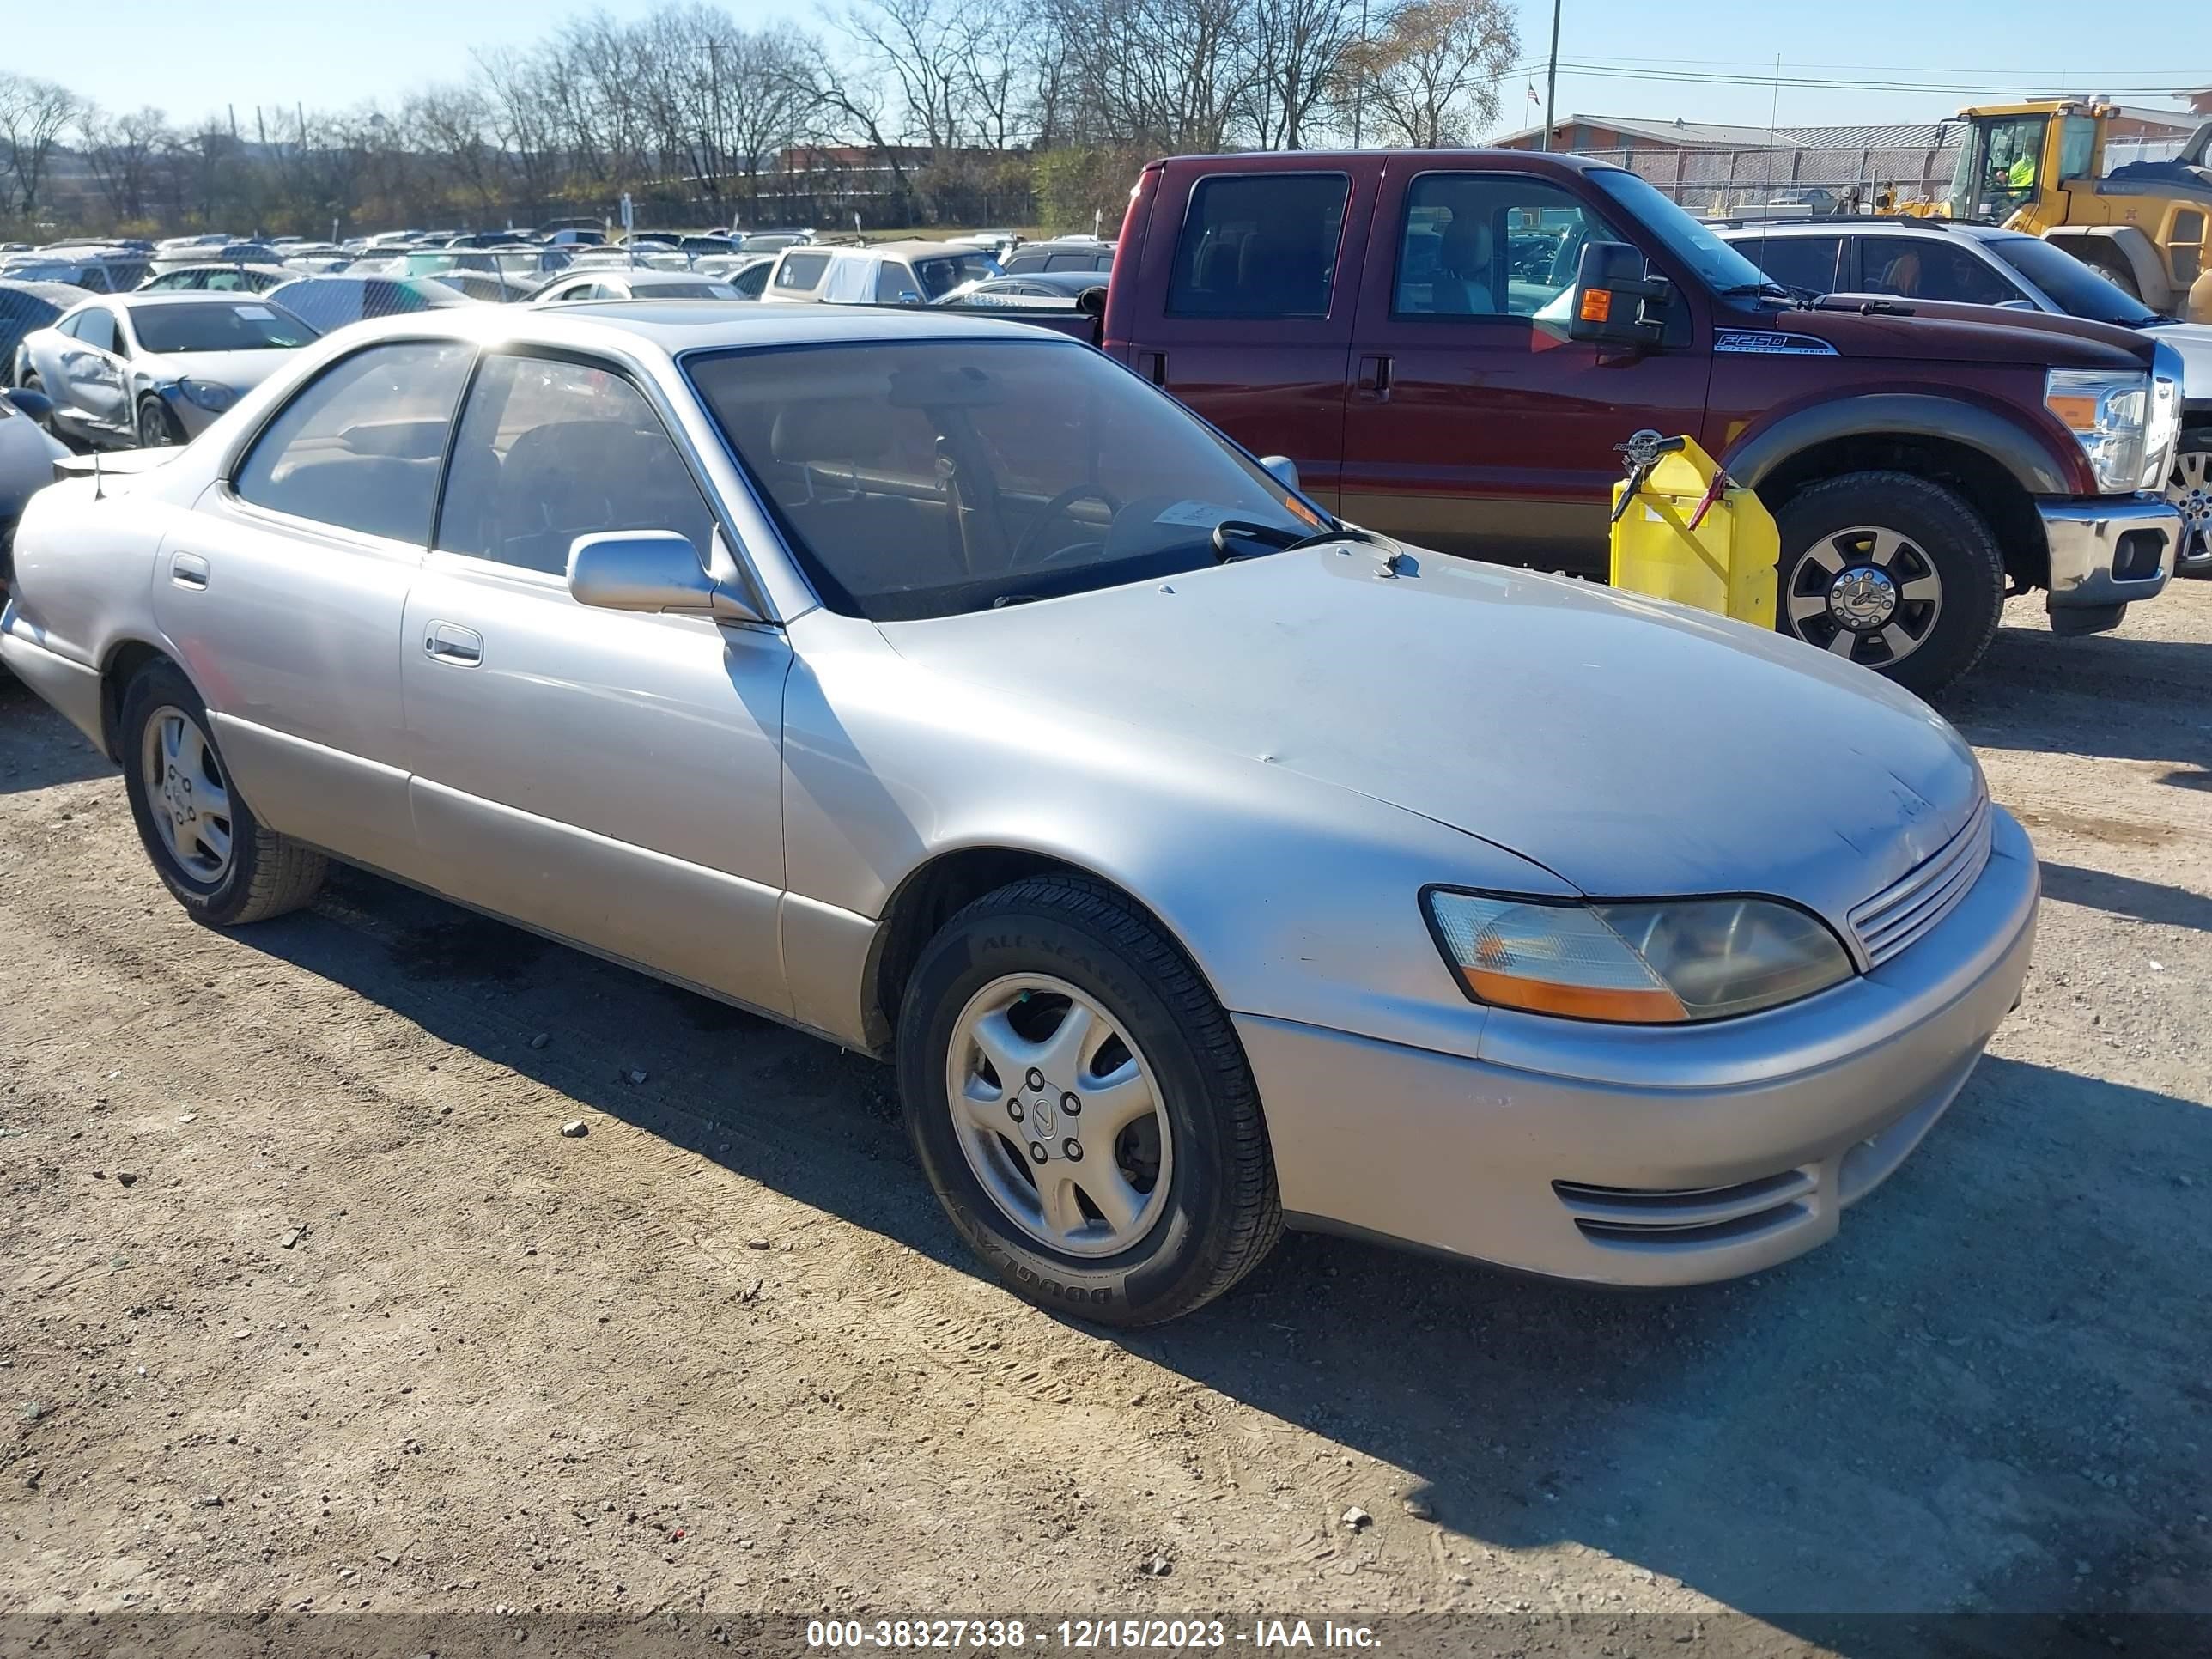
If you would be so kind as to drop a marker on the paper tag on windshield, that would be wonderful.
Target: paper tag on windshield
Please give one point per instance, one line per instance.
(259, 314)
(1202, 515)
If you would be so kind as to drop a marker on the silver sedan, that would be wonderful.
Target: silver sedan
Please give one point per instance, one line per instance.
(150, 369)
(1203, 863)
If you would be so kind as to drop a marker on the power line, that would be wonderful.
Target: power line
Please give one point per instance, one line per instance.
(1888, 69)
(1819, 82)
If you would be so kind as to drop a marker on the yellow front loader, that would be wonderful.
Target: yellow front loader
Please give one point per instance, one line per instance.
(2040, 168)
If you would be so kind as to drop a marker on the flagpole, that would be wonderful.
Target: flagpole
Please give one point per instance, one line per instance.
(1551, 76)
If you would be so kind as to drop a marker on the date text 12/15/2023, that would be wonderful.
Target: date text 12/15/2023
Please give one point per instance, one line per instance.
(1084, 1635)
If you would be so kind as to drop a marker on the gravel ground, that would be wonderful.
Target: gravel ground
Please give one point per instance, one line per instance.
(310, 1305)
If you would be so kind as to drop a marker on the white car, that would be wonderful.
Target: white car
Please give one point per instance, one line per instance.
(643, 283)
(27, 454)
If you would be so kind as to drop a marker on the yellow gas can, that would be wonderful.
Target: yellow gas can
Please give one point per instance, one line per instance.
(1682, 531)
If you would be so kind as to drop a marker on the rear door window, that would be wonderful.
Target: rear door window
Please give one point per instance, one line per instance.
(1805, 263)
(1260, 244)
(360, 446)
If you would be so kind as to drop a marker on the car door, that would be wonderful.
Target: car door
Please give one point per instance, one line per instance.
(611, 777)
(94, 383)
(1931, 268)
(1473, 424)
(1257, 324)
(284, 595)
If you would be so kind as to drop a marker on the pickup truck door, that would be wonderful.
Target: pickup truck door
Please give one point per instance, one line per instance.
(1250, 280)
(1473, 424)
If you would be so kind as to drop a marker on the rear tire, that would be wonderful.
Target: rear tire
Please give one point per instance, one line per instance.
(1893, 572)
(211, 853)
(1001, 978)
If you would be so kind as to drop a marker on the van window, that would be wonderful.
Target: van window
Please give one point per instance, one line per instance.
(801, 273)
(1807, 264)
(1490, 244)
(1260, 244)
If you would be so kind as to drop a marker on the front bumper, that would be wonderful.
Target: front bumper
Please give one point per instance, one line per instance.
(1641, 1156)
(2108, 550)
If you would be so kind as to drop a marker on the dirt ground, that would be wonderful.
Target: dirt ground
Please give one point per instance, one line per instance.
(309, 1305)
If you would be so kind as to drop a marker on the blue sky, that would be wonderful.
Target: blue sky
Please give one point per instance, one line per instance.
(190, 57)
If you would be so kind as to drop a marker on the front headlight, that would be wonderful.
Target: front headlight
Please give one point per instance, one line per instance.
(208, 395)
(2107, 414)
(1646, 965)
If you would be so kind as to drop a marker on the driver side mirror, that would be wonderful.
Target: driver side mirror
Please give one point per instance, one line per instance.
(1283, 470)
(36, 405)
(651, 570)
(1614, 292)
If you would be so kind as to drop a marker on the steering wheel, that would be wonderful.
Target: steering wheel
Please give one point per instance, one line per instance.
(1053, 509)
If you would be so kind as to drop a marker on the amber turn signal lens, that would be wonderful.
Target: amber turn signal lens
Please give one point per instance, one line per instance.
(2078, 411)
(1597, 305)
(1576, 1001)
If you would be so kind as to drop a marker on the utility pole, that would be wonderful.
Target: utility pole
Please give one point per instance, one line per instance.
(1359, 89)
(1552, 76)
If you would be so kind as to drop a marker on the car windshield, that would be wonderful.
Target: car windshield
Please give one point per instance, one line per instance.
(939, 276)
(2076, 288)
(932, 477)
(172, 328)
(1722, 268)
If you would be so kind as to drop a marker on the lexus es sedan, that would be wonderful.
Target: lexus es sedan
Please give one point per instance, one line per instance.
(1203, 863)
(135, 371)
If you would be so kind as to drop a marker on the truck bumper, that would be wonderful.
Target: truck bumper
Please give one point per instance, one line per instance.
(2105, 552)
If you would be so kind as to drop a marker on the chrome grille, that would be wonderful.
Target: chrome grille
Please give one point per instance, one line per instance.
(1894, 918)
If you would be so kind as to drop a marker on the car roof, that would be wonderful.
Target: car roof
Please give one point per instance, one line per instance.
(680, 325)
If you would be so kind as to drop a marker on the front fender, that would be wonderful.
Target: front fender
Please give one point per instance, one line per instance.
(1298, 899)
(2037, 466)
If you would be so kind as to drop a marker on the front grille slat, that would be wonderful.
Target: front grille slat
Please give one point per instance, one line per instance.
(1896, 918)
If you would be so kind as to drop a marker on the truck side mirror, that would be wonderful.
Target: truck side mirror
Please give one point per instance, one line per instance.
(1614, 291)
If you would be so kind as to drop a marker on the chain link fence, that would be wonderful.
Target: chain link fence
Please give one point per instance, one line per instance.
(1711, 182)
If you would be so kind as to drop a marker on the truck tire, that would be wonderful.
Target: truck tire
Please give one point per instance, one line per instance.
(1890, 571)
(1082, 1108)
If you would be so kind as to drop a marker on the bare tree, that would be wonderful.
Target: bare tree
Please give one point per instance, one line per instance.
(123, 153)
(34, 115)
(919, 44)
(1432, 77)
(1300, 56)
(764, 79)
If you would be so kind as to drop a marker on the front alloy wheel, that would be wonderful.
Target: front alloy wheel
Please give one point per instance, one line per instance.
(1058, 1115)
(2189, 493)
(1865, 593)
(157, 428)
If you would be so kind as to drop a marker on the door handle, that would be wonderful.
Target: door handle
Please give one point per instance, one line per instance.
(1375, 378)
(188, 570)
(1153, 366)
(448, 642)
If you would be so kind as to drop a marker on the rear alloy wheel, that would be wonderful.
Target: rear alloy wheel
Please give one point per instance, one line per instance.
(2189, 492)
(157, 428)
(210, 852)
(1891, 572)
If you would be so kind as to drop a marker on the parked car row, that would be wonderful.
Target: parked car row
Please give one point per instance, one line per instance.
(1204, 863)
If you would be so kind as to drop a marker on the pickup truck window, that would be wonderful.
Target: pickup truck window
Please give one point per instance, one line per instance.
(1260, 244)
(1489, 245)
(1725, 269)
(801, 273)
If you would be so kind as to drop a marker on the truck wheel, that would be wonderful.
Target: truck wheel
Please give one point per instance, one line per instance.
(2189, 491)
(1891, 572)
(1082, 1108)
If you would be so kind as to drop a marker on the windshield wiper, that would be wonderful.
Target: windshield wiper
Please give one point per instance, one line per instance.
(1279, 540)
(1776, 288)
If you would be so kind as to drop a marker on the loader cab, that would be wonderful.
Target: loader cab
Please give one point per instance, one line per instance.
(2013, 155)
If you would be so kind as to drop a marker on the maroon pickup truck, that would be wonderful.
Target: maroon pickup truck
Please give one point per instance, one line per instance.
(1450, 345)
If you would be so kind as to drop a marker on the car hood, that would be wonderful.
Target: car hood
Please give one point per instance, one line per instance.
(2194, 342)
(1634, 748)
(241, 371)
(1929, 330)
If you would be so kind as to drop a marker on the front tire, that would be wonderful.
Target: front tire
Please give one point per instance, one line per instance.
(210, 852)
(1080, 1105)
(157, 426)
(1891, 572)
(2189, 490)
